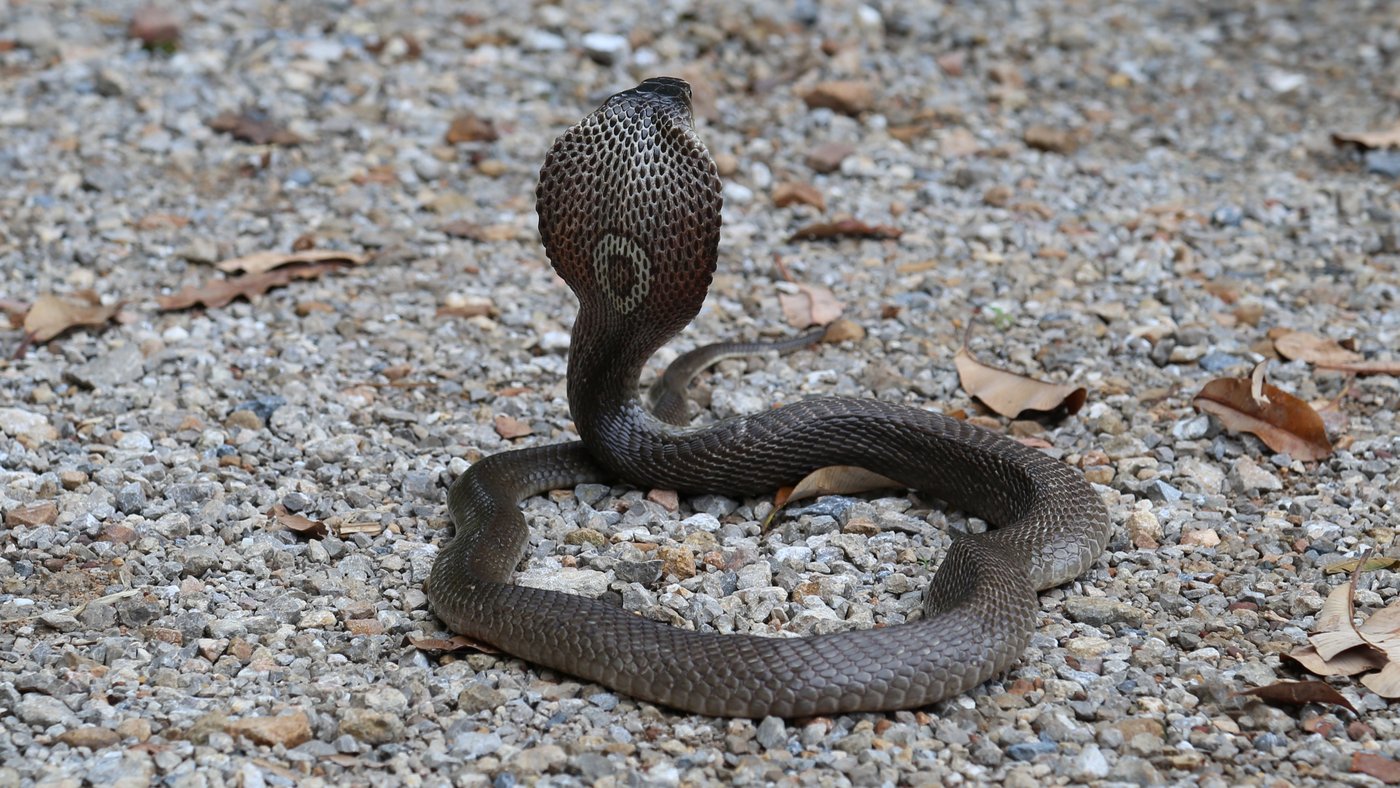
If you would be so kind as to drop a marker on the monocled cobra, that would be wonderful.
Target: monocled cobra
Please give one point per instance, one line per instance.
(629, 207)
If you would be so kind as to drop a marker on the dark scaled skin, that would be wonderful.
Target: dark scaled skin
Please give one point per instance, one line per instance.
(629, 205)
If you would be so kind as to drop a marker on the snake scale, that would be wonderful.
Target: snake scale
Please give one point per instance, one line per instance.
(629, 206)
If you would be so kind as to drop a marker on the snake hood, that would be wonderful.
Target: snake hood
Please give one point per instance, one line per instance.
(629, 204)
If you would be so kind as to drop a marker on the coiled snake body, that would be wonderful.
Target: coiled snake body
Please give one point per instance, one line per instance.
(629, 206)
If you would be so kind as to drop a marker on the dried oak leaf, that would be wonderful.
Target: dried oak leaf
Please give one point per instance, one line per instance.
(1388, 138)
(467, 127)
(456, 643)
(831, 480)
(785, 194)
(258, 262)
(51, 315)
(1327, 353)
(253, 126)
(218, 293)
(1378, 766)
(811, 305)
(1016, 396)
(1300, 693)
(846, 228)
(1282, 421)
(297, 524)
(1341, 648)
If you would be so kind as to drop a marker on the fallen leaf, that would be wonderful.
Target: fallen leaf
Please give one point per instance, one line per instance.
(846, 228)
(1388, 138)
(1051, 139)
(253, 126)
(450, 645)
(1368, 563)
(785, 194)
(221, 292)
(1300, 693)
(1016, 396)
(837, 480)
(846, 96)
(301, 526)
(1340, 648)
(811, 305)
(509, 427)
(1282, 421)
(1334, 419)
(1378, 766)
(51, 315)
(467, 127)
(258, 262)
(1311, 348)
(831, 480)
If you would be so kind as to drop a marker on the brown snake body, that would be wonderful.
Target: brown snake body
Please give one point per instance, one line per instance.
(629, 205)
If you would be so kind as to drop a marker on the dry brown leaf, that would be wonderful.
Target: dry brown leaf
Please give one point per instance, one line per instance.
(1302, 346)
(509, 427)
(51, 315)
(1334, 419)
(811, 305)
(1388, 138)
(1282, 421)
(1341, 648)
(258, 262)
(220, 292)
(253, 126)
(1300, 693)
(1377, 766)
(838, 480)
(1368, 563)
(467, 127)
(1016, 396)
(450, 645)
(301, 526)
(785, 194)
(846, 228)
(1328, 353)
(831, 480)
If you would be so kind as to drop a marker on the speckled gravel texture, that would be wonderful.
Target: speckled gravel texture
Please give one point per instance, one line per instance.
(160, 627)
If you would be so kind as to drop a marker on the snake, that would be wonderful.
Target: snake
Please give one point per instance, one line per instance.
(629, 203)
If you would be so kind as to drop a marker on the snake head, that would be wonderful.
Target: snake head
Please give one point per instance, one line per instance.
(629, 204)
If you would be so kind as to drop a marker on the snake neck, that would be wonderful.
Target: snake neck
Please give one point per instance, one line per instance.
(603, 383)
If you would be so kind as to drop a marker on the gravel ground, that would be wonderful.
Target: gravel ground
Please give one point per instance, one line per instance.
(1132, 195)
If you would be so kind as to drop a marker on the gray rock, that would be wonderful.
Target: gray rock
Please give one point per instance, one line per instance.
(584, 582)
(41, 711)
(1248, 477)
(644, 572)
(605, 48)
(466, 741)
(772, 733)
(114, 368)
(131, 498)
(1090, 764)
(1098, 611)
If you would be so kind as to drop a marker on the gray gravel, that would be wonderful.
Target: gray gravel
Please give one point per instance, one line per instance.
(1181, 197)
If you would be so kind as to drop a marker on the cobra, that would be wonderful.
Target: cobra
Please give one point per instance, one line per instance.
(629, 205)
